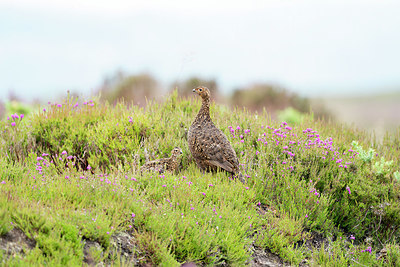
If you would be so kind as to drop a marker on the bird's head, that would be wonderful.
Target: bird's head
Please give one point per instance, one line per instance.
(177, 151)
(202, 91)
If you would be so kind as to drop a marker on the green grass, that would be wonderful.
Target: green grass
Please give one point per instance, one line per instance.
(69, 174)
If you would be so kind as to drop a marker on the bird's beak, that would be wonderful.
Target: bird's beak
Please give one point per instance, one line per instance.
(194, 90)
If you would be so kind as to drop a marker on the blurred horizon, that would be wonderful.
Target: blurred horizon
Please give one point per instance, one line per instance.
(311, 48)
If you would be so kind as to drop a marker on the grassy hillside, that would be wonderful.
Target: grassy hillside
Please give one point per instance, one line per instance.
(71, 193)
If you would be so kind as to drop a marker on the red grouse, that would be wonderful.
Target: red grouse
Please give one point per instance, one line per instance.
(170, 164)
(209, 146)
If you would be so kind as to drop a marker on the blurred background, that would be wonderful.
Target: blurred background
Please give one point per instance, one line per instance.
(339, 59)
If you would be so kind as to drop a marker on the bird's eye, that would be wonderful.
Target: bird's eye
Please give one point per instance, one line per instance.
(200, 89)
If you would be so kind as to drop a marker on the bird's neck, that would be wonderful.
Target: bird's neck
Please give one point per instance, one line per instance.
(204, 112)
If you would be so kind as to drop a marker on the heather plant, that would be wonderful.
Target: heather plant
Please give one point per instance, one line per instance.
(70, 176)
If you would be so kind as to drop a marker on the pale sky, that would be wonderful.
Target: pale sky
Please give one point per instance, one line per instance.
(312, 47)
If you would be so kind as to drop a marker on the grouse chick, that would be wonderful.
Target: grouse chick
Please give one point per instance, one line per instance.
(170, 164)
(209, 146)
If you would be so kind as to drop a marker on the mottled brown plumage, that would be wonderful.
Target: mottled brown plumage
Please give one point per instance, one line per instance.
(170, 164)
(209, 146)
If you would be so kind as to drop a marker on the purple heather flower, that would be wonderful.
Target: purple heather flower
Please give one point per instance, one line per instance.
(203, 193)
(64, 152)
(352, 237)
(13, 123)
(238, 128)
(133, 215)
(59, 105)
(164, 185)
(3, 182)
(210, 185)
(348, 189)
(22, 116)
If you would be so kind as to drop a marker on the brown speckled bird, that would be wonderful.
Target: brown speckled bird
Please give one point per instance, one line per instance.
(209, 146)
(170, 164)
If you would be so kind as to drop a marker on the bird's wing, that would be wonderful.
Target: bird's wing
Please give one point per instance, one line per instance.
(215, 149)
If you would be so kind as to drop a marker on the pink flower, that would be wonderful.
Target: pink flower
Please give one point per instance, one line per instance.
(13, 123)
(348, 189)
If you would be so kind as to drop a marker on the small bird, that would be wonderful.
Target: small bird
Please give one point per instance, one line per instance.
(209, 146)
(170, 164)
